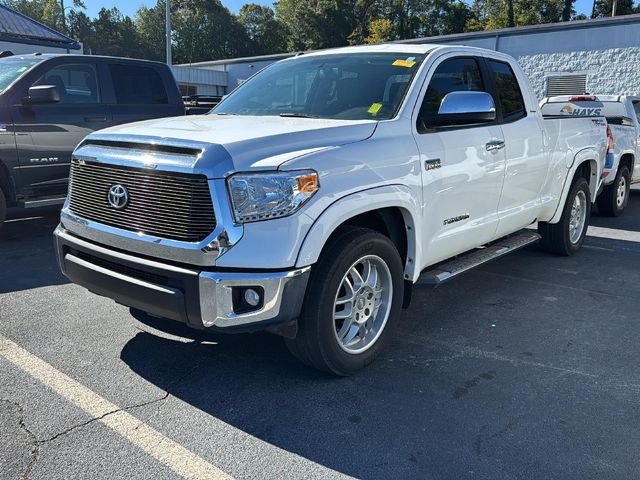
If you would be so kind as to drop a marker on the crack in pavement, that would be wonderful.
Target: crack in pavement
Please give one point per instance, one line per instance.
(35, 447)
(36, 443)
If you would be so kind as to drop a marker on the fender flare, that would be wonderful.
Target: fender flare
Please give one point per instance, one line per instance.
(586, 155)
(349, 206)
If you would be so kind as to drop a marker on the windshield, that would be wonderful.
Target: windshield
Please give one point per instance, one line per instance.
(349, 87)
(13, 68)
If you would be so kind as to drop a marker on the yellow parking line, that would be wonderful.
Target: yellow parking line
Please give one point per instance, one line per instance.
(173, 455)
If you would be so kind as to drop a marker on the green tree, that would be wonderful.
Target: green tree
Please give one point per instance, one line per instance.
(206, 30)
(81, 28)
(266, 33)
(493, 14)
(115, 34)
(151, 31)
(380, 30)
(315, 24)
(603, 8)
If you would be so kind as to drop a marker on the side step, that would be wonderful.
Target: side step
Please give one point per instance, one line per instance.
(45, 202)
(449, 269)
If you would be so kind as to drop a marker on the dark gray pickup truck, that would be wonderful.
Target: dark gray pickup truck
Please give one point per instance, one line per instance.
(49, 103)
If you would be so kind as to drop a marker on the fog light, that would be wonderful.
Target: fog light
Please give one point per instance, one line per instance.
(251, 297)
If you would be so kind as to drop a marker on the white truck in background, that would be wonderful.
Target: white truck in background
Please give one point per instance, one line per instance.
(621, 168)
(313, 197)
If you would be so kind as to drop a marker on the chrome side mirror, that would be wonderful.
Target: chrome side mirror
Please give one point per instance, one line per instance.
(465, 108)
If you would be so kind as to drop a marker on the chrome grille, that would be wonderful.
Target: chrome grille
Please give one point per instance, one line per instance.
(163, 204)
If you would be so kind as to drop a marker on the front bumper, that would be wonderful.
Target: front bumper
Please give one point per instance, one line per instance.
(200, 298)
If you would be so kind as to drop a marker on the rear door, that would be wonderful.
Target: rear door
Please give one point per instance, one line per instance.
(46, 134)
(636, 168)
(141, 92)
(527, 162)
(462, 166)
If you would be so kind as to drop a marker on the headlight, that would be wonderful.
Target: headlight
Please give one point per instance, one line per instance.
(261, 196)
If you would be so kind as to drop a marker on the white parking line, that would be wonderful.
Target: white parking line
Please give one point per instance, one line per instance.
(173, 455)
(613, 234)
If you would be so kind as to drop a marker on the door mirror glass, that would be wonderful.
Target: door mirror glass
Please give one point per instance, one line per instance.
(41, 94)
(465, 108)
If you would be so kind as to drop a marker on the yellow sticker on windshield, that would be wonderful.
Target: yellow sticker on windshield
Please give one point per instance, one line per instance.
(404, 63)
(374, 108)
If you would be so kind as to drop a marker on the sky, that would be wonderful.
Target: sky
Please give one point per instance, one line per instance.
(129, 7)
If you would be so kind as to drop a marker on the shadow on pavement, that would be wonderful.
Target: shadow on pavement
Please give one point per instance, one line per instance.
(251, 382)
(627, 221)
(27, 256)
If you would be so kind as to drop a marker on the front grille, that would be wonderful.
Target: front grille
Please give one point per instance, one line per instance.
(163, 204)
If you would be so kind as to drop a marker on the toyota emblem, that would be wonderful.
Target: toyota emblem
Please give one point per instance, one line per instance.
(118, 196)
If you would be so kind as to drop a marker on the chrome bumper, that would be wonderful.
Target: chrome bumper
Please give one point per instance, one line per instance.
(202, 299)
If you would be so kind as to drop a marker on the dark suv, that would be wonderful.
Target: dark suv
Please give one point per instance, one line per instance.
(49, 103)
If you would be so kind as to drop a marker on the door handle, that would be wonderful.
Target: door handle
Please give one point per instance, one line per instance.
(494, 145)
(95, 119)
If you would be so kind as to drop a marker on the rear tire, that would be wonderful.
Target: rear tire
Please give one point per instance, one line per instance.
(353, 298)
(567, 236)
(3, 207)
(613, 199)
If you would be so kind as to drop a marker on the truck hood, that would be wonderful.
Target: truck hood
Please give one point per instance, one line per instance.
(252, 143)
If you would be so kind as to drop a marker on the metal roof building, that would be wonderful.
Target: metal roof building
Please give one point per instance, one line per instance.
(21, 34)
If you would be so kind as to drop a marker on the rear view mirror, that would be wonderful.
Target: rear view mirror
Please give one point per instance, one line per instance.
(465, 108)
(41, 94)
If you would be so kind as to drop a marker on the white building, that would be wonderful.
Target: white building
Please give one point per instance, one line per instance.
(595, 56)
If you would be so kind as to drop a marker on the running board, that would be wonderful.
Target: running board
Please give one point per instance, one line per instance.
(45, 202)
(449, 269)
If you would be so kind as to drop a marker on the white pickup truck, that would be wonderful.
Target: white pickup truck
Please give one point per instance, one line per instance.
(315, 195)
(622, 114)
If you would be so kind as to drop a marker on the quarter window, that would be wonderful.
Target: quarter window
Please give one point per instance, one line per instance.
(509, 93)
(75, 83)
(452, 75)
(136, 85)
(636, 107)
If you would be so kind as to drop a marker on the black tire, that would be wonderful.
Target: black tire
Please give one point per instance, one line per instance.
(609, 203)
(3, 207)
(316, 343)
(556, 236)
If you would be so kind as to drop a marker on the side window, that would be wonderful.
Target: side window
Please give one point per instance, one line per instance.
(76, 83)
(135, 85)
(452, 75)
(636, 107)
(509, 93)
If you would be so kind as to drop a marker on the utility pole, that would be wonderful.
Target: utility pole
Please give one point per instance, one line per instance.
(511, 21)
(168, 34)
(64, 18)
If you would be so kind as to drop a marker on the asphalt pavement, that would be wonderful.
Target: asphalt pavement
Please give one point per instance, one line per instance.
(526, 368)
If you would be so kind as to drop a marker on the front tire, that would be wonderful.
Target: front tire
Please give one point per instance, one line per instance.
(613, 199)
(353, 298)
(567, 236)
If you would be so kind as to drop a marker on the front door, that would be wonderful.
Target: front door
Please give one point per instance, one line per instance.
(463, 168)
(46, 134)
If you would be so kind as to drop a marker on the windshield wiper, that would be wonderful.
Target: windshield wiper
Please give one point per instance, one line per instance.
(297, 115)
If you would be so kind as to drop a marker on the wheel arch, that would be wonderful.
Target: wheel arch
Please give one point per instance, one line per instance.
(628, 159)
(391, 210)
(584, 165)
